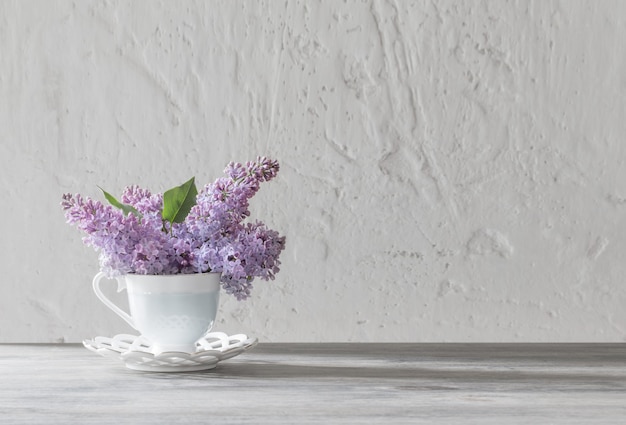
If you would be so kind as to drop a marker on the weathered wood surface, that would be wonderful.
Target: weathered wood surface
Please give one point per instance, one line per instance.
(324, 383)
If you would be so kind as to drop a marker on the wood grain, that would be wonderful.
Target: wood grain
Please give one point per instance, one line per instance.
(324, 383)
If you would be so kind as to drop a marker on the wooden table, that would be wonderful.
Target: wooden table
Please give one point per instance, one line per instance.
(324, 383)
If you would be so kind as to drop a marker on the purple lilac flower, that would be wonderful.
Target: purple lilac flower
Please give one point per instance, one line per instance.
(142, 200)
(254, 253)
(213, 237)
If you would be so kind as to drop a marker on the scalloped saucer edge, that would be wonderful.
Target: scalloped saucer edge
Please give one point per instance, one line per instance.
(136, 353)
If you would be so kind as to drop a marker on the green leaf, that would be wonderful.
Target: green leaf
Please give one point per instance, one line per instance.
(177, 202)
(127, 209)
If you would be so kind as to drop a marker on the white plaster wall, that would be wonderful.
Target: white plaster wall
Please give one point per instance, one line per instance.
(451, 171)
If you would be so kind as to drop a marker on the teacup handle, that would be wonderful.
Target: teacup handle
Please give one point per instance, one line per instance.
(121, 284)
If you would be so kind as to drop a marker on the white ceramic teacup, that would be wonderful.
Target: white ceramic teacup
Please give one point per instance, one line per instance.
(171, 311)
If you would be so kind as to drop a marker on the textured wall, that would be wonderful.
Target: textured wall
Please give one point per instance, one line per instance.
(451, 171)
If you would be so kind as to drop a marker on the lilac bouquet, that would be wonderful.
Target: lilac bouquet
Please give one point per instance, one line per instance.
(183, 230)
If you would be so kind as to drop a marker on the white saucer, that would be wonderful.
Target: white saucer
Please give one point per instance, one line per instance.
(136, 352)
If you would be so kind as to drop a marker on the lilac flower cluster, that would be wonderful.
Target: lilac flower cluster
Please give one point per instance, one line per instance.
(213, 236)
